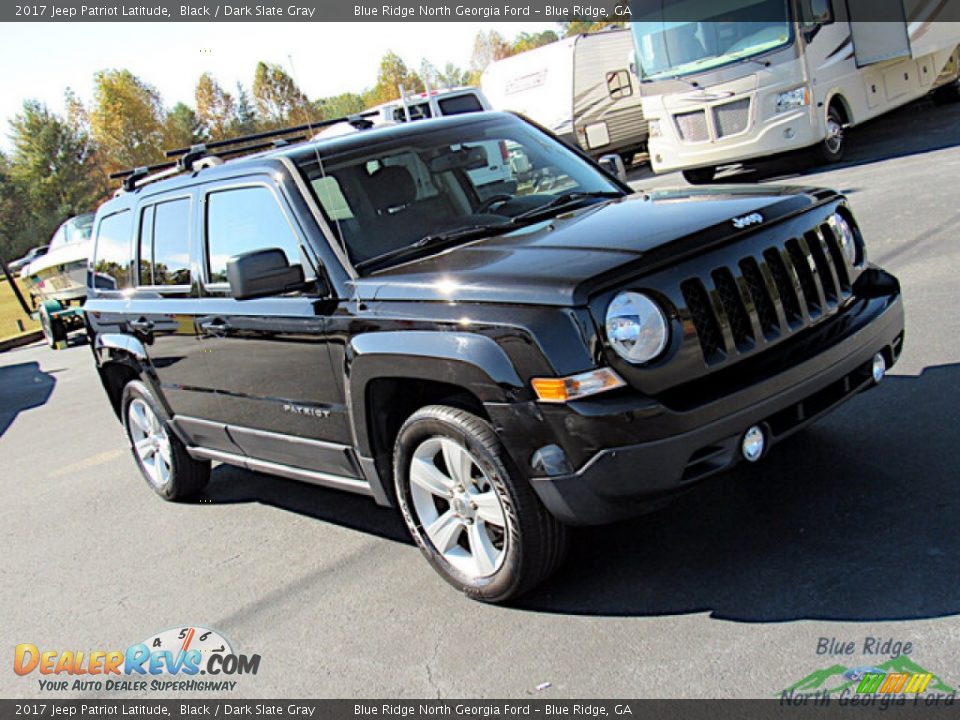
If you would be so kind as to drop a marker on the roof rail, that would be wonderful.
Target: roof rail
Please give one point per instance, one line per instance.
(186, 158)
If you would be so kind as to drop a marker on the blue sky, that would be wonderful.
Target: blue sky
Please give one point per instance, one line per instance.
(39, 60)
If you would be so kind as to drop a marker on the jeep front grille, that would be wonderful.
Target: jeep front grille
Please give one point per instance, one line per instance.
(771, 294)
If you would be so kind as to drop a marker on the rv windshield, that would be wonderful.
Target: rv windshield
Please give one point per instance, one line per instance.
(670, 43)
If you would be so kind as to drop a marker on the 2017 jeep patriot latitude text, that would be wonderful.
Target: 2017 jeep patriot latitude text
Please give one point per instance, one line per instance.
(498, 359)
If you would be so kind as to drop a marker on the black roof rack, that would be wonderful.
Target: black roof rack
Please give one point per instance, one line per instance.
(185, 158)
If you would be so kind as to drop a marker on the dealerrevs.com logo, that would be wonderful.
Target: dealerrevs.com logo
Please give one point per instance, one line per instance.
(171, 660)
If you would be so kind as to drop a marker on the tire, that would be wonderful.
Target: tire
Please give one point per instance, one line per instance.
(485, 560)
(165, 465)
(832, 148)
(947, 94)
(700, 176)
(53, 329)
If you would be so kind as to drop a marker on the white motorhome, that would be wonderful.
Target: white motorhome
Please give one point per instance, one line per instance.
(727, 81)
(580, 88)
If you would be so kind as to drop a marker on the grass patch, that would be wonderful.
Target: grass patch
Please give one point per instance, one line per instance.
(10, 311)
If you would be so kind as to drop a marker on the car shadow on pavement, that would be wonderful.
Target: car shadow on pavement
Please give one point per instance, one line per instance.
(234, 485)
(854, 519)
(22, 387)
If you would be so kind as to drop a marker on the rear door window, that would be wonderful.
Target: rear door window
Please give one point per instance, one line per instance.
(165, 244)
(240, 220)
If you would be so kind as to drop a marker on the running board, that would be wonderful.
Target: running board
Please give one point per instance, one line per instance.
(292, 473)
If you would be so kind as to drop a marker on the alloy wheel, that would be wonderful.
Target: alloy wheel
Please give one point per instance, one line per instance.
(458, 507)
(150, 442)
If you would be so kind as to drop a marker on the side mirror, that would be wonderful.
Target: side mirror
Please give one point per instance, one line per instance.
(821, 11)
(262, 273)
(613, 165)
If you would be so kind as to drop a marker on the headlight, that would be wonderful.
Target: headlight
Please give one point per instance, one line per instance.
(848, 240)
(653, 129)
(636, 327)
(791, 99)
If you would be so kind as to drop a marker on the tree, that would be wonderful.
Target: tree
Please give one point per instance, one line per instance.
(216, 109)
(126, 121)
(528, 41)
(393, 74)
(16, 226)
(489, 47)
(47, 176)
(341, 105)
(278, 100)
(182, 127)
(578, 27)
(452, 76)
(245, 116)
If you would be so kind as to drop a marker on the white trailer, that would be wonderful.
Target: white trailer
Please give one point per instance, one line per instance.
(727, 81)
(580, 88)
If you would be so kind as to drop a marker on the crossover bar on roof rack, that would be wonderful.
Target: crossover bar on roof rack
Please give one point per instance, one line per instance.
(187, 156)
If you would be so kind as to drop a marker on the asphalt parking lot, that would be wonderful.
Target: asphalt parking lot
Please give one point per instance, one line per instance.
(847, 531)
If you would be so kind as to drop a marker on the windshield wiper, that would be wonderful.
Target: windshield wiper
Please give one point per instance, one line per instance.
(561, 200)
(427, 241)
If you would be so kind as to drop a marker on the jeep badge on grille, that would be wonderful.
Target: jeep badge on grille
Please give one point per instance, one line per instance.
(752, 219)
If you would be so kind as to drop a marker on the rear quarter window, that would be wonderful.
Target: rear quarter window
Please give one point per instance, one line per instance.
(459, 104)
(111, 256)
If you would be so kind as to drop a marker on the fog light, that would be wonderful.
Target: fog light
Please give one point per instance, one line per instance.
(878, 368)
(753, 444)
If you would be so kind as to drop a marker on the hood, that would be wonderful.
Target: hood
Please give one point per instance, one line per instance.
(563, 260)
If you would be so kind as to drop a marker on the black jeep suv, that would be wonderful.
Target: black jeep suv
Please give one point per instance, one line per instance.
(467, 319)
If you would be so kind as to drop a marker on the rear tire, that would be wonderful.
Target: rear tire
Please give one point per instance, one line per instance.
(700, 176)
(474, 518)
(832, 148)
(947, 94)
(163, 460)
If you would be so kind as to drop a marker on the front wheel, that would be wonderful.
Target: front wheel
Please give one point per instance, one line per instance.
(163, 460)
(832, 148)
(478, 523)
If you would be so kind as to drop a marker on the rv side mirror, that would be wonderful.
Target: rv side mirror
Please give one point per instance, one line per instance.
(821, 12)
(262, 273)
(613, 165)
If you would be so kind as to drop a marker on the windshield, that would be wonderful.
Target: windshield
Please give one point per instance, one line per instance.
(75, 229)
(491, 175)
(670, 44)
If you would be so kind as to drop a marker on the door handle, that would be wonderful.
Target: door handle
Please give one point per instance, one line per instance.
(142, 325)
(217, 327)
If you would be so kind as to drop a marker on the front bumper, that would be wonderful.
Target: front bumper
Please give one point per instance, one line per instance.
(765, 139)
(642, 450)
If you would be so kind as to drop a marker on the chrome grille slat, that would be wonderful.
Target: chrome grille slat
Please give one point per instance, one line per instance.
(730, 304)
(825, 273)
(763, 303)
(704, 321)
(839, 260)
(800, 262)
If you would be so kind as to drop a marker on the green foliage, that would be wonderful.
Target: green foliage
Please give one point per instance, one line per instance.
(340, 105)
(278, 100)
(528, 41)
(127, 120)
(216, 109)
(47, 179)
(182, 127)
(578, 27)
(393, 75)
